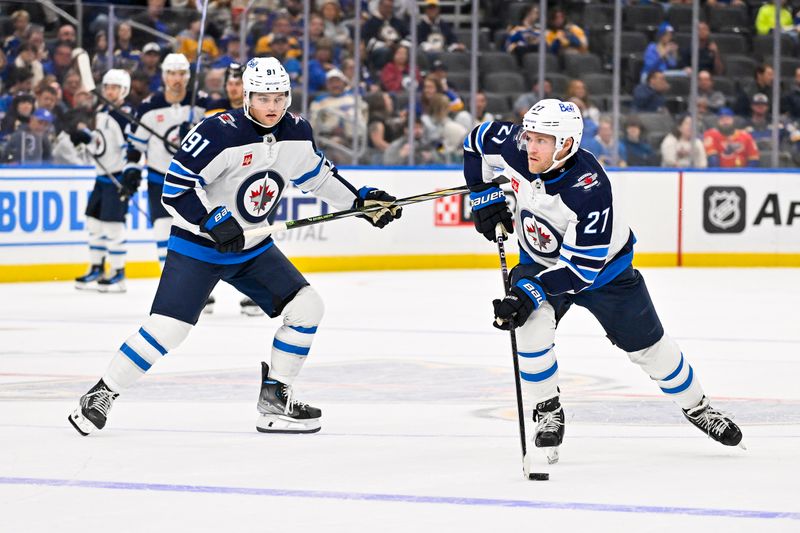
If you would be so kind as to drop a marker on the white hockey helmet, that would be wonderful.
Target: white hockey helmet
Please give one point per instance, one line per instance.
(562, 120)
(174, 62)
(117, 76)
(265, 75)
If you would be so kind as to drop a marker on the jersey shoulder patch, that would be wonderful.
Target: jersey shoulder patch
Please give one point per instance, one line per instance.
(587, 186)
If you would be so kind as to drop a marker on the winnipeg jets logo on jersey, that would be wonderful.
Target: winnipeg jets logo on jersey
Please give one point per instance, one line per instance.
(587, 181)
(256, 198)
(228, 120)
(540, 236)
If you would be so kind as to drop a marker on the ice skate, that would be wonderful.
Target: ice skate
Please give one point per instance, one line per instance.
(279, 412)
(714, 423)
(250, 308)
(549, 433)
(208, 308)
(113, 283)
(88, 282)
(92, 412)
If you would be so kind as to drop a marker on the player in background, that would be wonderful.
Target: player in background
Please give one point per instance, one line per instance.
(227, 178)
(168, 113)
(234, 91)
(106, 210)
(575, 248)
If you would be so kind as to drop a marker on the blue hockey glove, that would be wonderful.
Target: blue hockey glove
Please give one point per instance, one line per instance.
(131, 179)
(523, 299)
(224, 229)
(369, 197)
(489, 209)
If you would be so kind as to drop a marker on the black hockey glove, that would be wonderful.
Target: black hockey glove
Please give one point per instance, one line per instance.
(224, 229)
(183, 129)
(523, 299)
(368, 197)
(489, 209)
(131, 179)
(80, 136)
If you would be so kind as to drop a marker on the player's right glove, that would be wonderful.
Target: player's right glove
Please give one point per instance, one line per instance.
(224, 229)
(131, 179)
(368, 197)
(489, 209)
(523, 299)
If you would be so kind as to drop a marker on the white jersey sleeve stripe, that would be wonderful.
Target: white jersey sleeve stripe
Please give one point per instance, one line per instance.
(311, 173)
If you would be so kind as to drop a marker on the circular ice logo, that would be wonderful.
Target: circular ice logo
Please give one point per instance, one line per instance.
(258, 195)
(540, 236)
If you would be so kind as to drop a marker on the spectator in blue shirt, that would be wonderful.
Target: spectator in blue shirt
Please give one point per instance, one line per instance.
(649, 96)
(662, 54)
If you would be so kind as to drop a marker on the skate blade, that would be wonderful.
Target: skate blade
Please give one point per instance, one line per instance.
(117, 288)
(86, 285)
(285, 424)
(551, 453)
(741, 445)
(81, 424)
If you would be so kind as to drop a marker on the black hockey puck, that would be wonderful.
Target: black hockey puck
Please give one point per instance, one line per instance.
(539, 476)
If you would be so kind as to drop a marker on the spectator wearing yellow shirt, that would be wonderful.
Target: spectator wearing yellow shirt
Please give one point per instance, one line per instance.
(187, 42)
(765, 19)
(280, 26)
(563, 36)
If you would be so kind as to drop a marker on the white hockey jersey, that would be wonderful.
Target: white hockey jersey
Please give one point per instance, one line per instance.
(566, 220)
(227, 160)
(164, 118)
(109, 144)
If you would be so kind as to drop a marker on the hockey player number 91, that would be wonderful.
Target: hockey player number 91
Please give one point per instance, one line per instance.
(191, 142)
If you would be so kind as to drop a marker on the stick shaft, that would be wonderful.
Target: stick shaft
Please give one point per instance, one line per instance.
(199, 60)
(319, 219)
(501, 250)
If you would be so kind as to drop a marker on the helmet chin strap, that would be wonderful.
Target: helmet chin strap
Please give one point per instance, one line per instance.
(557, 162)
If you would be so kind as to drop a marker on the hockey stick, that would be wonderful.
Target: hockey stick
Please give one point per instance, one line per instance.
(500, 233)
(199, 61)
(115, 182)
(87, 80)
(319, 219)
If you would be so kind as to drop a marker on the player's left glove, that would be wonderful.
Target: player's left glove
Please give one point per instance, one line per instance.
(523, 299)
(369, 197)
(224, 229)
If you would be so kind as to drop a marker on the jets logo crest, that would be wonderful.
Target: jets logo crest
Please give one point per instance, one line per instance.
(587, 181)
(540, 237)
(258, 195)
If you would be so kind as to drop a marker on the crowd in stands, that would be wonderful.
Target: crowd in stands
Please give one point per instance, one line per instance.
(42, 100)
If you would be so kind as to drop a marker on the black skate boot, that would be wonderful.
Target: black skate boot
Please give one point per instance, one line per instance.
(716, 424)
(208, 308)
(250, 308)
(88, 282)
(280, 413)
(549, 418)
(113, 283)
(93, 410)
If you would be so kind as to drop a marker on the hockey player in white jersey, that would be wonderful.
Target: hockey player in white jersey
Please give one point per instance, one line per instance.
(575, 248)
(106, 210)
(228, 177)
(168, 113)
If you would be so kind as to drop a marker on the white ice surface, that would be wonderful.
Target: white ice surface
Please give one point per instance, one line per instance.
(419, 428)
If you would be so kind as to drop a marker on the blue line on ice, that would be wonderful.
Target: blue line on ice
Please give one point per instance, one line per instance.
(401, 498)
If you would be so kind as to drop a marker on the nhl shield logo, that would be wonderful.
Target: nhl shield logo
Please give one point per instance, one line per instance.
(724, 209)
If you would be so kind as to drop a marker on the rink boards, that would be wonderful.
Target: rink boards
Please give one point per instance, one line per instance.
(690, 218)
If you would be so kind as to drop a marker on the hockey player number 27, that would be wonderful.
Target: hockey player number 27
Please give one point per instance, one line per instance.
(191, 142)
(594, 217)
